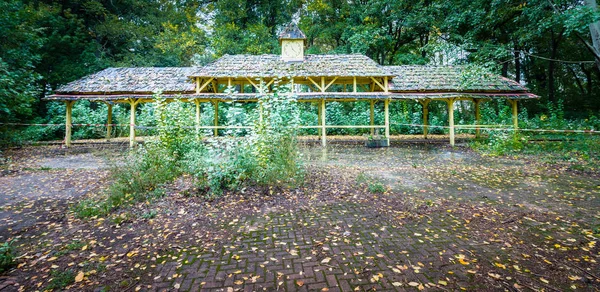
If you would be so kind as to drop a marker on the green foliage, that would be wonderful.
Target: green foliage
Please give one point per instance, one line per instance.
(502, 142)
(149, 215)
(60, 279)
(376, 188)
(266, 155)
(7, 256)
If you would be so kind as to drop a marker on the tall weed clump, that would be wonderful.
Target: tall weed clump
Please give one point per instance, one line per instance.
(266, 154)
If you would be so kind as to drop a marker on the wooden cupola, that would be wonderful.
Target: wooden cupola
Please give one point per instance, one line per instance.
(292, 41)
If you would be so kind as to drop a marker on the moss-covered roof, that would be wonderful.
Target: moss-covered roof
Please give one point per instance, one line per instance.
(253, 66)
(133, 80)
(448, 78)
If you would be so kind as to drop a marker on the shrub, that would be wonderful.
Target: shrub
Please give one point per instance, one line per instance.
(7, 256)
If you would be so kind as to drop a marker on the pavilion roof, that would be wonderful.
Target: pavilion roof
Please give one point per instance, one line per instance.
(254, 66)
(132, 80)
(415, 78)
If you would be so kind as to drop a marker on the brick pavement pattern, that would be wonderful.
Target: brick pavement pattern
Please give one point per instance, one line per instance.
(342, 247)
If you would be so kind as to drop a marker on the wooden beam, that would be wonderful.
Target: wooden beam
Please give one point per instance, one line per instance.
(253, 84)
(330, 83)
(109, 121)
(269, 84)
(323, 122)
(450, 102)
(372, 117)
(68, 122)
(197, 103)
(315, 83)
(477, 118)
(386, 105)
(425, 105)
(379, 84)
(133, 104)
(385, 84)
(216, 118)
(199, 87)
(354, 84)
(319, 114)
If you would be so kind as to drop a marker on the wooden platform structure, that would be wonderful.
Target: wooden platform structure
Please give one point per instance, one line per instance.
(313, 78)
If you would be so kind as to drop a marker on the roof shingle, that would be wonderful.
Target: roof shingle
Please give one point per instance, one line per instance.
(447, 78)
(133, 80)
(253, 66)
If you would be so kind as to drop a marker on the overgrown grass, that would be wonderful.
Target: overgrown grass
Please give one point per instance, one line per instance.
(267, 155)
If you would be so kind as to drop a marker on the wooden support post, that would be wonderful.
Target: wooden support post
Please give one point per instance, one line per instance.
(323, 85)
(372, 116)
(385, 84)
(323, 119)
(425, 104)
(354, 84)
(133, 103)
(109, 121)
(386, 105)
(216, 121)
(319, 114)
(68, 122)
(451, 119)
(477, 118)
(515, 114)
(197, 103)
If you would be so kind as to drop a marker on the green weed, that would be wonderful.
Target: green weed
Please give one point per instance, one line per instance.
(7, 256)
(61, 279)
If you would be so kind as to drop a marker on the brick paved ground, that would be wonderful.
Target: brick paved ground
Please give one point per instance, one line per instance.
(449, 220)
(342, 247)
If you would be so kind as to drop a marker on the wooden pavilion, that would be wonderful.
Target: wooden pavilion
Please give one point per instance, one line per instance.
(314, 78)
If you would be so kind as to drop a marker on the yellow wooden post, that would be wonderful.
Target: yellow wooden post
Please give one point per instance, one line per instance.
(425, 104)
(322, 84)
(451, 120)
(385, 84)
(477, 118)
(386, 105)
(68, 122)
(372, 116)
(109, 121)
(354, 84)
(197, 103)
(216, 121)
(323, 129)
(133, 103)
(319, 114)
(515, 114)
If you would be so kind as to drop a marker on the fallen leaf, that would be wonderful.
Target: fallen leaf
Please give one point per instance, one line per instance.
(79, 277)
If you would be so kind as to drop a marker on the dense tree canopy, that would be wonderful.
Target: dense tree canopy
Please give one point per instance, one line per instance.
(552, 46)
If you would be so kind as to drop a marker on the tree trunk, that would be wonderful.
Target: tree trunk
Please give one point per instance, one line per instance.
(517, 64)
(595, 31)
(505, 69)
